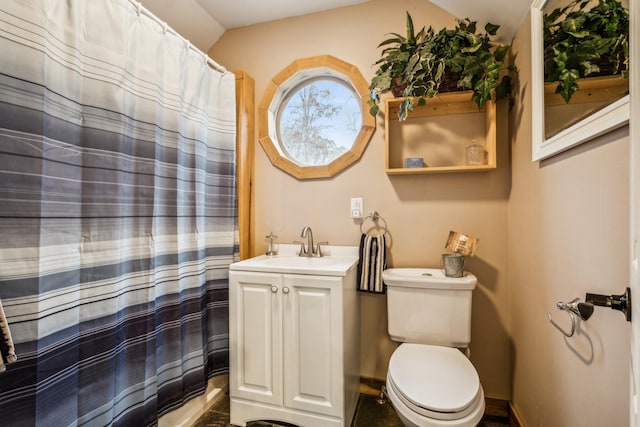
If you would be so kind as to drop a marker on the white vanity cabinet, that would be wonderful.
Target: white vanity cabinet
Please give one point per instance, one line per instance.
(294, 347)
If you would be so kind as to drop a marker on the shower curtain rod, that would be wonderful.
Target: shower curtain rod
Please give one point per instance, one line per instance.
(148, 13)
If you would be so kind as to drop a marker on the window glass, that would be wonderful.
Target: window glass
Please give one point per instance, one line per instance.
(319, 121)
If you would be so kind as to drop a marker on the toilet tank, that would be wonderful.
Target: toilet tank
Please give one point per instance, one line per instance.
(426, 307)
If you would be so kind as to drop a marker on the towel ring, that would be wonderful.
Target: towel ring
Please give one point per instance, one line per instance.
(373, 216)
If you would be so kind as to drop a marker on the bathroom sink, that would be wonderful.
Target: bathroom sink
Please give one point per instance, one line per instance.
(337, 261)
(301, 262)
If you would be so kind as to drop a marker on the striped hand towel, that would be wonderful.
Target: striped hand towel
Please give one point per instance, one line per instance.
(373, 261)
(7, 351)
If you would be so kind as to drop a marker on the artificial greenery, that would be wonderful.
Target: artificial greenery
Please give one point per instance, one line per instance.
(579, 43)
(417, 64)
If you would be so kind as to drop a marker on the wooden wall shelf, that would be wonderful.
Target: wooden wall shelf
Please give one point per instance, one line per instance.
(439, 132)
(592, 89)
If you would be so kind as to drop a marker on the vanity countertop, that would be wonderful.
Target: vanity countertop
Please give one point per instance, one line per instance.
(337, 261)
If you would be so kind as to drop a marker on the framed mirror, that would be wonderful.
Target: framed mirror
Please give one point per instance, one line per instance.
(313, 120)
(582, 99)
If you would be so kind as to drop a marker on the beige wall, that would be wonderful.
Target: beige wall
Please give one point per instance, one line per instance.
(549, 231)
(564, 222)
(568, 232)
(420, 210)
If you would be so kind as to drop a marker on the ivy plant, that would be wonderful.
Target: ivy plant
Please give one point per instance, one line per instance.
(418, 65)
(581, 42)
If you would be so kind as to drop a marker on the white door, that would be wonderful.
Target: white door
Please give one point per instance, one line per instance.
(312, 317)
(255, 336)
(634, 132)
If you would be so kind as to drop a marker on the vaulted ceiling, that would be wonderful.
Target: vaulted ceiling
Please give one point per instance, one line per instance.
(202, 22)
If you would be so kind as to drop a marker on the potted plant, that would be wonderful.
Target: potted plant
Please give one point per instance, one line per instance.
(579, 43)
(420, 65)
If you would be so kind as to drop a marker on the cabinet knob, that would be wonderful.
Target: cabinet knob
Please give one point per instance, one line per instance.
(285, 290)
(274, 289)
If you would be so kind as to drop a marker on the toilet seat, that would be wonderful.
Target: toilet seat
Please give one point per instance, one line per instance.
(439, 383)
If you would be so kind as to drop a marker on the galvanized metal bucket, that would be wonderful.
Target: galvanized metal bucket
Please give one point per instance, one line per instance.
(452, 265)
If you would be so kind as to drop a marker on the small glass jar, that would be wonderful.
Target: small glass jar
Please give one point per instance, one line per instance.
(475, 154)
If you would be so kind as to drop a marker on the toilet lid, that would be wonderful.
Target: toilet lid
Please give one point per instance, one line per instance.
(435, 378)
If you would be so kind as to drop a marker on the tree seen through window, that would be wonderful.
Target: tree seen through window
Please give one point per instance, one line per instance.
(319, 122)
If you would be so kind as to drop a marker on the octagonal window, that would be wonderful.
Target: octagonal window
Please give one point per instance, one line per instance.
(313, 120)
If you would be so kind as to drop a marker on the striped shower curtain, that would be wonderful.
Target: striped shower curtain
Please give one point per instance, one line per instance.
(117, 214)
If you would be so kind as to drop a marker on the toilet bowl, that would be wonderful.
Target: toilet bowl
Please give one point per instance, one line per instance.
(430, 382)
(433, 386)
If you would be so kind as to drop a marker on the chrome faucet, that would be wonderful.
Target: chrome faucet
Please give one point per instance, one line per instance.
(310, 249)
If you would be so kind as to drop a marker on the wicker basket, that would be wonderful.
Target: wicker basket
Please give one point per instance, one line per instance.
(450, 82)
(397, 89)
(607, 67)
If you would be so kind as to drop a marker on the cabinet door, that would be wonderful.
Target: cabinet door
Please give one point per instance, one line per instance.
(312, 317)
(255, 336)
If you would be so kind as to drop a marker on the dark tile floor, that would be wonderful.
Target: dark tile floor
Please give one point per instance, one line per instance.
(368, 414)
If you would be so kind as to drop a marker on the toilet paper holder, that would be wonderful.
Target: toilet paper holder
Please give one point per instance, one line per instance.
(574, 308)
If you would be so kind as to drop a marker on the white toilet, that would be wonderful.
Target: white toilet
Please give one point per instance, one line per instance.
(430, 382)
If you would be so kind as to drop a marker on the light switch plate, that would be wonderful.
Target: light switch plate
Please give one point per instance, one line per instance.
(356, 207)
